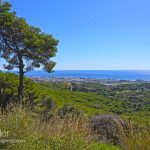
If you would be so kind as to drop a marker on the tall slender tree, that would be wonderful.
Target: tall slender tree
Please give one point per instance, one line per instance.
(24, 46)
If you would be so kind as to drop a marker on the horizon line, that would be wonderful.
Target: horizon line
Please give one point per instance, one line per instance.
(83, 70)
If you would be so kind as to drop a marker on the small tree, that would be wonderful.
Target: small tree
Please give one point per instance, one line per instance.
(24, 46)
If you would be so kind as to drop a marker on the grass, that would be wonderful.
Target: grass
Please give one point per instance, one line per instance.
(136, 139)
(67, 133)
(62, 133)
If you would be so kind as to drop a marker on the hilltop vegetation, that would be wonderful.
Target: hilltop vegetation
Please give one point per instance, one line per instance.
(94, 98)
(46, 96)
(46, 104)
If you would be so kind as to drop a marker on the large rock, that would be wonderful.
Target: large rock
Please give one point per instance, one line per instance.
(108, 128)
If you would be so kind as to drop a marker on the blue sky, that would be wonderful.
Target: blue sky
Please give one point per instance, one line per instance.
(93, 34)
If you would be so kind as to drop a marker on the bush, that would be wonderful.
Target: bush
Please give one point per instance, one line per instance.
(107, 127)
(68, 110)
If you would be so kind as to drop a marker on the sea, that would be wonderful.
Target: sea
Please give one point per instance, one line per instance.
(94, 74)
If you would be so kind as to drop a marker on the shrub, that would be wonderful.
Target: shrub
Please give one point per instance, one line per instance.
(106, 127)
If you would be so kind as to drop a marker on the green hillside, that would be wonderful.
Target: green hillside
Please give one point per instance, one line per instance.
(50, 115)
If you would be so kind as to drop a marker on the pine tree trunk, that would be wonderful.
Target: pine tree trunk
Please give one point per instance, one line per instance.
(21, 78)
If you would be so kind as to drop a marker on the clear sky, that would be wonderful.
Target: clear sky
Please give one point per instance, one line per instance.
(93, 34)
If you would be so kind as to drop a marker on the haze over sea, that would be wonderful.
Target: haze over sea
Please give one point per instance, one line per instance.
(94, 74)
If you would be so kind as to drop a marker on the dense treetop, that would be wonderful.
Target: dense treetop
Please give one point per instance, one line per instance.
(18, 40)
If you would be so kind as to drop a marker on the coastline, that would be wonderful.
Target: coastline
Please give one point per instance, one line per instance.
(80, 80)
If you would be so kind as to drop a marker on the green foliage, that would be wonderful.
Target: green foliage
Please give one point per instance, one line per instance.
(45, 97)
(94, 103)
(8, 89)
(132, 95)
(68, 110)
(34, 97)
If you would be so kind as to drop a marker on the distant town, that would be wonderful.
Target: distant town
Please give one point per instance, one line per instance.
(79, 80)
